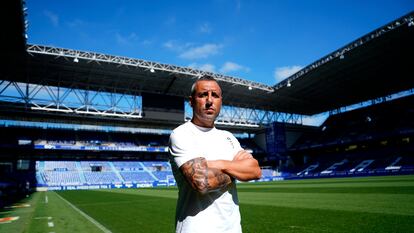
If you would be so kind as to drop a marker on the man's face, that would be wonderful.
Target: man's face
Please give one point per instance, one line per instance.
(206, 103)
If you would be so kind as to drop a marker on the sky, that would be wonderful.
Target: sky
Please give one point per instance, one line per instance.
(263, 41)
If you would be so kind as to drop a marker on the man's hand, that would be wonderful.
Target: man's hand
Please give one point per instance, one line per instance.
(243, 166)
(243, 154)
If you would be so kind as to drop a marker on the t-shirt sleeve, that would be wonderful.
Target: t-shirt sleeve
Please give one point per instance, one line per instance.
(181, 148)
(237, 145)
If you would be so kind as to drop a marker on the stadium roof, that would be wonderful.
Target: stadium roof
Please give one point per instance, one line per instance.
(375, 65)
(372, 66)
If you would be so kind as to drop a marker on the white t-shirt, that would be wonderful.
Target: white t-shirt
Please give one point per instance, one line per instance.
(213, 212)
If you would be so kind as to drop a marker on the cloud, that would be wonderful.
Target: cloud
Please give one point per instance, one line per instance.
(128, 40)
(205, 28)
(204, 67)
(54, 18)
(226, 68)
(171, 20)
(238, 5)
(170, 45)
(283, 72)
(76, 23)
(146, 42)
(231, 67)
(177, 47)
(203, 51)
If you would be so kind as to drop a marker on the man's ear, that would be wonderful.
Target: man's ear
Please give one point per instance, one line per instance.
(191, 101)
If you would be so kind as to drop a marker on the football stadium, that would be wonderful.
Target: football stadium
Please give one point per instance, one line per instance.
(84, 138)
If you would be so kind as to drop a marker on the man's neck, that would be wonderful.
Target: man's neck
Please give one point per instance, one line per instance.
(202, 124)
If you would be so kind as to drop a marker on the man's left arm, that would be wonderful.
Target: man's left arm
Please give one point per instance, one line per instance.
(243, 166)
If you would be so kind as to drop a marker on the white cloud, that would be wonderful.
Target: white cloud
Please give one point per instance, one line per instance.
(171, 20)
(146, 42)
(238, 5)
(172, 45)
(203, 51)
(54, 18)
(205, 28)
(169, 44)
(231, 67)
(175, 46)
(283, 72)
(204, 67)
(76, 23)
(128, 40)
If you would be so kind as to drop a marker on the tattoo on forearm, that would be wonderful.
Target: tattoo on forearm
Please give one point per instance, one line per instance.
(203, 178)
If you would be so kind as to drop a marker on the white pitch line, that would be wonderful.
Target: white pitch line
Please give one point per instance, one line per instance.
(46, 199)
(50, 224)
(100, 226)
(43, 218)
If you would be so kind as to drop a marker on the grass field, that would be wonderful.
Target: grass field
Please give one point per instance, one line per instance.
(371, 204)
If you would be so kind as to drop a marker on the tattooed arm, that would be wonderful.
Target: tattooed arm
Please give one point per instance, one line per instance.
(204, 179)
(243, 166)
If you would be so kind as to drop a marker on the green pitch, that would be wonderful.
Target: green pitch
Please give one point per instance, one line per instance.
(372, 204)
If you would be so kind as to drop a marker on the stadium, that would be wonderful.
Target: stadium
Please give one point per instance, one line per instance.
(84, 138)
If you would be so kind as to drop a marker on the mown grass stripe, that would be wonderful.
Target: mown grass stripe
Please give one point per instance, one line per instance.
(167, 193)
(96, 223)
(370, 203)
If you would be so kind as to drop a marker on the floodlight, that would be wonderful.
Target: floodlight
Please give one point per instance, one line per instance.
(152, 70)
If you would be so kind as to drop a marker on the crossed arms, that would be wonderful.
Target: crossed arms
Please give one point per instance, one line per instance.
(210, 175)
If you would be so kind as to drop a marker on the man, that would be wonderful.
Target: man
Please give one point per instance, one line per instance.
(205, 162)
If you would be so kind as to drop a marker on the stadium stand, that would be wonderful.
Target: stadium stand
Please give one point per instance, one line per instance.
(90, 173)
(373, 140)
(377, 139)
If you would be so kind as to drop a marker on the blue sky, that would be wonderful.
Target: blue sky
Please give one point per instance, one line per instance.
(263, 41)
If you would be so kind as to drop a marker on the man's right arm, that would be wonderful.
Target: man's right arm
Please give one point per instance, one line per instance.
(204, 179)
